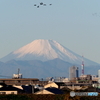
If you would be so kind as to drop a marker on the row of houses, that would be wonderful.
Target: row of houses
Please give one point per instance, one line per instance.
(35, 86)
(50, 88)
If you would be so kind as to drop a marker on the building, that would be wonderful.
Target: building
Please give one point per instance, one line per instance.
(16, 76)
(98, 73)
(73, 72)
(20, 81)
(94, 77)
(61, 79)
(51, 84)
(9, 89)
(50, 90)
(98, 76)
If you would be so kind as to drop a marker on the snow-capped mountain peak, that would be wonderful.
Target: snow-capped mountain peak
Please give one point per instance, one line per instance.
(45, 50)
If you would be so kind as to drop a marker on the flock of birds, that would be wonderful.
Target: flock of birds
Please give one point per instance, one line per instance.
(41, 4)
(96, 14)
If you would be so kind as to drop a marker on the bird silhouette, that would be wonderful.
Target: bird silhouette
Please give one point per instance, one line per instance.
(41, 3)
(44, 5)
(34, 4)
(37, 6)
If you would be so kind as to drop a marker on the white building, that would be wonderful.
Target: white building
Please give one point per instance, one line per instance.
(99, 76)
(94, 77)
(17, 76)
(73, 72)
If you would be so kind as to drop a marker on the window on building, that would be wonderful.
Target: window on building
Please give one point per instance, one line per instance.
(12, 92)
(2, 92)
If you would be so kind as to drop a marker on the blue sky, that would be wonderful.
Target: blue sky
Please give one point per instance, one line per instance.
(73, 23)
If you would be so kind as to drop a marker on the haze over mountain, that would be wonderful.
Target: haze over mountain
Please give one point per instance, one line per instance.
(39, 69)
(44, 58)
(45, 50)
(35, 68)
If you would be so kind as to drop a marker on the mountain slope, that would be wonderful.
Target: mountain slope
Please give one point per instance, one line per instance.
(36, 68)
(45, 50)
(39, 69)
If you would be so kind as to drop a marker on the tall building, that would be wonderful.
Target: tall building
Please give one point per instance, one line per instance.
(73, 72)
(99, 76)
(99, 73)
(82, 66)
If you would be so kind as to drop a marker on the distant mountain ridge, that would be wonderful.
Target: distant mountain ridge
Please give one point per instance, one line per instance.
(40, 69)
(45, 50)
(35, 68)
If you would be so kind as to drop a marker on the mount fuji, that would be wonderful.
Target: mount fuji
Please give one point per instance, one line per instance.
(44, 58)
(45, 50)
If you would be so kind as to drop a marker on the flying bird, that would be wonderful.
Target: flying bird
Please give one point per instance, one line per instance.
(37, 6)
(41, 3)
(44, 5)
(34, 4)
(96, 14)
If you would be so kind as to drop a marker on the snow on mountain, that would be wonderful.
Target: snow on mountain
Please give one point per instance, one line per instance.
(46, 50)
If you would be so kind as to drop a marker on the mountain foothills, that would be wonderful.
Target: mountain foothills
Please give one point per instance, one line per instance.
(44, 58)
